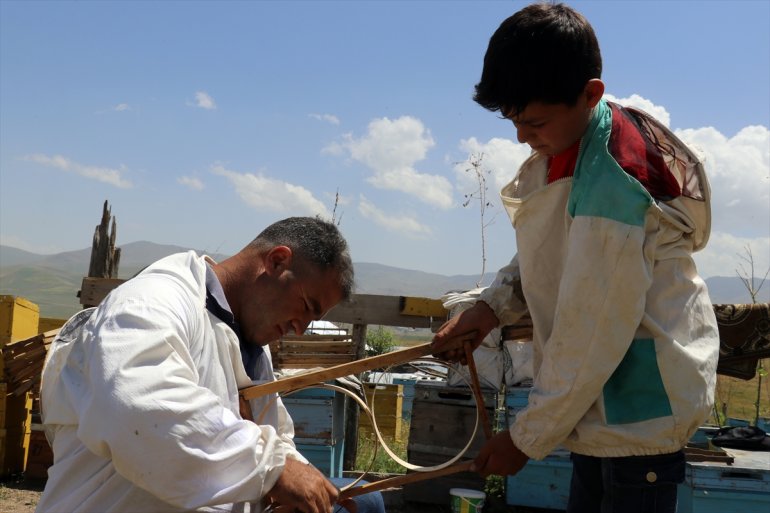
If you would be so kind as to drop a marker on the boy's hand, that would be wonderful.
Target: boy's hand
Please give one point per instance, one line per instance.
(302, 487)
(479, 318)
(500, 456)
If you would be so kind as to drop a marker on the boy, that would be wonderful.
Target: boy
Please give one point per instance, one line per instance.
(608, 210)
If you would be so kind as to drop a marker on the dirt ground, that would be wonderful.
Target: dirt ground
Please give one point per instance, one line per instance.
(19, 496)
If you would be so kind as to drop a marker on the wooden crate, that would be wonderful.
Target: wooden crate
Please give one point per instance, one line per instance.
(39, 454)
(541, 483)
(326, 458)
(19, 319)
(49, 323)
(716, 487)
(442, 422)
(388, 411)
(3, 402)
(17, 430)
(319, 427)
(309, 351)
(318, 415)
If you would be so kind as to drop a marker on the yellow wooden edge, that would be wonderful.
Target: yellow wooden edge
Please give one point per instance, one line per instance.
(422, 306)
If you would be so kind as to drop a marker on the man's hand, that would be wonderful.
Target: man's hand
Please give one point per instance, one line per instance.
(480, 318)
(500, 456)
(303, 488)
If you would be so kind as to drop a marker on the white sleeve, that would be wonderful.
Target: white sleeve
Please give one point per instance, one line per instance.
(505, 296)
(140, 405)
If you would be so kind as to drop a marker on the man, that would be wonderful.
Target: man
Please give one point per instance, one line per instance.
(140, 395)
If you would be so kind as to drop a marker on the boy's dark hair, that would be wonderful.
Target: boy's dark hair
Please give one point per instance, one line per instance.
(544, 53)
(313, 241)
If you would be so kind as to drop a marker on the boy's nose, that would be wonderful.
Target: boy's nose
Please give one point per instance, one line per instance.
(522, 134)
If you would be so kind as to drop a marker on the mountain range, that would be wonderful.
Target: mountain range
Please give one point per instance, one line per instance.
(52, 281)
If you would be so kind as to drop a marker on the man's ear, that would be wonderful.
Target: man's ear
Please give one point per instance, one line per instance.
(278, 260)
(594, 90)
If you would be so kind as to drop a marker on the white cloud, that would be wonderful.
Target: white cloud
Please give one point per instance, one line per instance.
(121, 107)
(204, 101)
(191, 182)
(739, 172)
(501, 157)
(723, 255)
(329, 118)
(390, 149)
(658, 112)
(402, 224)
(271, 195)
(107, 175)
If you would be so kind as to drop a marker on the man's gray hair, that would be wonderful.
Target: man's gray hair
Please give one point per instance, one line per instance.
(315, 241)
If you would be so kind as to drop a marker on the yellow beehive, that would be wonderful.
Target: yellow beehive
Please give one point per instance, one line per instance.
(388, 401)
(49, 323)
(19, 319)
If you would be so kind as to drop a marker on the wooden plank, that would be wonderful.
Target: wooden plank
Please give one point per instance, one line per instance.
(94, 290)
(375, 309)
(316, 360)
(404, 480)
(315, 338)
(346, 369)
(317, 347)
(422, 306)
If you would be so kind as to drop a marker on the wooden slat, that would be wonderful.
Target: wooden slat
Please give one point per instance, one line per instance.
(422, 306)
(375, 309)
(317, 360)
(93, 290)
(315, 347)
(315, 338)
(397, 481)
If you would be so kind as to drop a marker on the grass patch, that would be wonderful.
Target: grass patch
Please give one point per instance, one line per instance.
(737, 398)
(383, 464)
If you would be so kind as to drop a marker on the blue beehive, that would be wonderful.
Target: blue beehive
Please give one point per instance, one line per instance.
(319, 427)
(540, 484)
(715, 487)
(408, 400)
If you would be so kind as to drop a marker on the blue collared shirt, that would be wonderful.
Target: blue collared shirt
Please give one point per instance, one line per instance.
(217, 304)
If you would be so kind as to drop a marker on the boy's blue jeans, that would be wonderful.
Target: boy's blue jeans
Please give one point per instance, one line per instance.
(635, 484)
(368, 503)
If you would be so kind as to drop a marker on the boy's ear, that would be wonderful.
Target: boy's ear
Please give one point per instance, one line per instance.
(593, 91)
(278, 260)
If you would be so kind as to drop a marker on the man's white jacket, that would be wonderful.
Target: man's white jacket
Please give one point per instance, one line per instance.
(625, 337)
(140, 404)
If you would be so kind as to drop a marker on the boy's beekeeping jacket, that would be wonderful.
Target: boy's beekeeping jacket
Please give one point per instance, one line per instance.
(625, 337)
(140, 403)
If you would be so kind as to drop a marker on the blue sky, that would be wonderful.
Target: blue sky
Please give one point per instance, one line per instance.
(202, 122)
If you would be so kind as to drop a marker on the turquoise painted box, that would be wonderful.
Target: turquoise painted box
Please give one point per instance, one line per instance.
(326, 458)
(540, 484)
(715, 487)
(319, 427)
(318, 415)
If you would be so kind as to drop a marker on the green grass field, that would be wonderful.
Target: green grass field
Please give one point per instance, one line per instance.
(737, 398)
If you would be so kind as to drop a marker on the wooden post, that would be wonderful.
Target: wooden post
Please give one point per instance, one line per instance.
(351, 407)
(105, 257)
